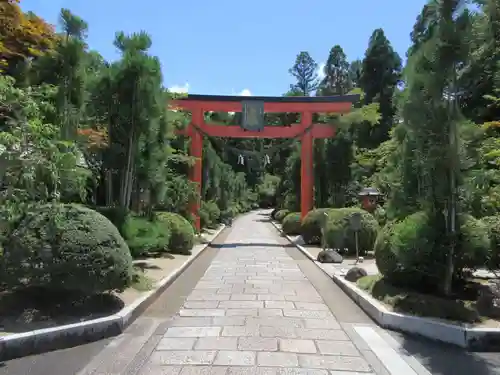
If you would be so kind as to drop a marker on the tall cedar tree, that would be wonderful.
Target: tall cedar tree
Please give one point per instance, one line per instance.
(381, 70)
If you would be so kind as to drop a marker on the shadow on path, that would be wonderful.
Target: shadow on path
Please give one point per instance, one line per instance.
(442, 359)
(249, 244)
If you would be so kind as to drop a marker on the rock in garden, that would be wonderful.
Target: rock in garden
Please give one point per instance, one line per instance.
(300, 241)
(329, 256)
(488, 302)
(355, 273)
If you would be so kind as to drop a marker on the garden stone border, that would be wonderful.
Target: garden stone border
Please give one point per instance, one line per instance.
(472, 339)
(70, 335)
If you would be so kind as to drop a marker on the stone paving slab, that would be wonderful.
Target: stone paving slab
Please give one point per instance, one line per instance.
(254, 312)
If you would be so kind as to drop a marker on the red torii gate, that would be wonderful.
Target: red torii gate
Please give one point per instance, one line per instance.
(306, 106)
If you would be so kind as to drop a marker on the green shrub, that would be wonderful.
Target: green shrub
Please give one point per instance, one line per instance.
(291, 203)
(413, 242)
(386, 260)
(117, 215)
(145, 236)
(493, 225)
(339, 235)
(474, 244)
(209, 214)
(380, 215)
(67, 248)
(229, 213)
(280, 215)
(291, 224)
(412, 253)
(204, 217)
(312, 225)
(181, 232)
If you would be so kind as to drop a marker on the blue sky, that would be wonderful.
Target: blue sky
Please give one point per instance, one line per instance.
(229, 47)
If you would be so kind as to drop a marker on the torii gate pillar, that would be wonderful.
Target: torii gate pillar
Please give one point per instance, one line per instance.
(306, 166)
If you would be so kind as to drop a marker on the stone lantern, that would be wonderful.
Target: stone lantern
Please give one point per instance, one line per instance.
(369, 197)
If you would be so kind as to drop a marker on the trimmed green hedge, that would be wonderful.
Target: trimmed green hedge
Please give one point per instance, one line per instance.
(67, 247)
(407, 252)
(281, 214)
(312, 225)
(339, 235)
(145, 236)
(291, 224)
(181, 232)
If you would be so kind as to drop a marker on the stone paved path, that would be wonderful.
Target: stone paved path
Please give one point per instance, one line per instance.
(255, 312)
(253, 305)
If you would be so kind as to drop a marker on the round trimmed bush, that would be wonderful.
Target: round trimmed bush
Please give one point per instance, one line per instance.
(413, 244)
(280, 215)
(117, 215)
(291, 224)
(339, 235)
(67, 247)
(312, 225)
(410, 253)
(145, 236)
(181, 232)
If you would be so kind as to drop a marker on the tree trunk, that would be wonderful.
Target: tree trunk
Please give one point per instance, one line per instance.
(126, 178)
(452, 210)
(109, 186)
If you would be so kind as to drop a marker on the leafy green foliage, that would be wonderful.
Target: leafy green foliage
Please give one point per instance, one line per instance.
(340, 235)
(36, 165)
(337, 78)
(117, 215)
(291, 224)
(280, 215)
(380, 74)
(312, 226)
(181, 232)
(209, 214)
(406, 251)
(69, 248)
(305, 70)
(144, 236)
(76, 128)
(267, 190)
(493, 225)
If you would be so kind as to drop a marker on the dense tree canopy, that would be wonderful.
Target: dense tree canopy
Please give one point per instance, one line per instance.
(77, 129)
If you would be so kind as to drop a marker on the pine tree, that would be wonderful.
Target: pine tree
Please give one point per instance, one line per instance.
(336, 70)
(305, 70)
(381, 70)
(355, 71)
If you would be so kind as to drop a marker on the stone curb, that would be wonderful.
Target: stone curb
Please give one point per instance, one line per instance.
(70, 335)
(473, 339)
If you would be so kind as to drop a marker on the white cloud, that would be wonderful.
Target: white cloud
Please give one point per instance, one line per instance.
(179, 89)
(245, 92)
(321, 70)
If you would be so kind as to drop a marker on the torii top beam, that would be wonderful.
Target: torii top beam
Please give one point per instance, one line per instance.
(232, 103)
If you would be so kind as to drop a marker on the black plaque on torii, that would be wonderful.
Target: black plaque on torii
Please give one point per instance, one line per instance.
(253, 115)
